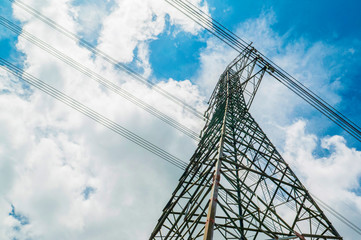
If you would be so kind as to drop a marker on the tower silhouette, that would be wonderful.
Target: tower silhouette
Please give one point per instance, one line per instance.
(237, 185)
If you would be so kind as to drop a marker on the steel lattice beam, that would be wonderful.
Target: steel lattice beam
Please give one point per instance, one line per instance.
(237, 185)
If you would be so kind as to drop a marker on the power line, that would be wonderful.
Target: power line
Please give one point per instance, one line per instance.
(91, 113)
(106, 57)
(98, 78)
(273, 69)
(236, 43)
(338, 215)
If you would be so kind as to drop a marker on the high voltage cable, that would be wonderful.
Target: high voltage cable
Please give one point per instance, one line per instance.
(106, 57)
(240, 45)
(233, 41)
(96, 77)
(339, 215)
(299, 89)
(226, 36)
(91, 113)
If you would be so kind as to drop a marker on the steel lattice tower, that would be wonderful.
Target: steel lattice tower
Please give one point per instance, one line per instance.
(237, 185)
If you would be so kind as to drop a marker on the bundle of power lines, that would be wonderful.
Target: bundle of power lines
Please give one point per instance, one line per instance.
(101, 80)
(238, 44)
(91, 113)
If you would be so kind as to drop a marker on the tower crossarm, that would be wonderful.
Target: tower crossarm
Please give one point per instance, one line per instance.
(249, 69)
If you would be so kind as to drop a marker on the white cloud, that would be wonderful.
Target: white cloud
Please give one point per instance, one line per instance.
(54, 154)
(134, 21)
(334, 178)
(213, 61)
(49, 154)
(89, 15)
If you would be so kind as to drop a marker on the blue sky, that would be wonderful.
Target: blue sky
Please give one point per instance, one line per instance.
(86, 167)
(7, 38)
(333, 22)
(336, 24)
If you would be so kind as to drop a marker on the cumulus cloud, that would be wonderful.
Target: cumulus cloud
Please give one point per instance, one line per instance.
(213, 61)
(132, 22)
(332, 178)
(51, 156)
(74, 179)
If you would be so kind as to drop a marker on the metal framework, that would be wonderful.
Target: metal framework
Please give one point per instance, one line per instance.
(237, 186)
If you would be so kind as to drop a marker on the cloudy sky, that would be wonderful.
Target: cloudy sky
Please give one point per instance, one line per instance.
(64, 176)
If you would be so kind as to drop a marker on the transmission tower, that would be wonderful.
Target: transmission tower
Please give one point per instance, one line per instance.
(237, 185)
